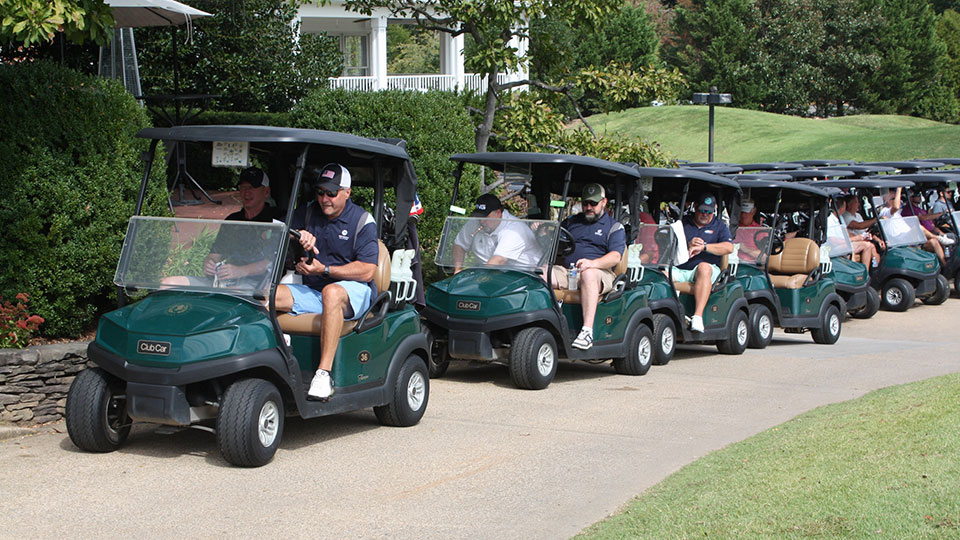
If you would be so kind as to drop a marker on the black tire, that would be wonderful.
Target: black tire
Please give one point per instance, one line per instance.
(941, 294)
(533, 358)
(898, 295)
(96, 412)
(411, 393)
(872, 307)
(250, 422)
(956, 283)
(761, 326)
(830, 327)
(664, 339)
(439, 359)
(640, 352)
(738, 334)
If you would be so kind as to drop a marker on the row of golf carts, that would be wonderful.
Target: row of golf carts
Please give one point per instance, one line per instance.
(217, 356)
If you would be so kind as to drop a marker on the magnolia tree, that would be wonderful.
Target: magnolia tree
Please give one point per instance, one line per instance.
(34, 22)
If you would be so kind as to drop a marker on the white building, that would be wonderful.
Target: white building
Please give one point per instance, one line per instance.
(363, 40)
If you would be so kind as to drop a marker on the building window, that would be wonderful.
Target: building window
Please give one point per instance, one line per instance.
(356, 59)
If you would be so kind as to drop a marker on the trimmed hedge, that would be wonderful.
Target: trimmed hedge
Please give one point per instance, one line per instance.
(71, 173)
(435, 126)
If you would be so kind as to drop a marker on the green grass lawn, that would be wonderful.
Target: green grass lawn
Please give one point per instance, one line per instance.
(744, 136)
(882, 466)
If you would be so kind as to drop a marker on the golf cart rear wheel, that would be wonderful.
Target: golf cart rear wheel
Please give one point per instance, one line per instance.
(250, 422)
(738, 335)
(872, 307)
(898, 295)
(664, 339)
(410, 395)
(533, 358)
(639, 353)
(830, 325)
(941, 294)
(439, 359)
(96, 412)
(956, 283)
(761, 326)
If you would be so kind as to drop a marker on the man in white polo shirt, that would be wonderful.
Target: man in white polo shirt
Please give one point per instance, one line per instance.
(500, 239)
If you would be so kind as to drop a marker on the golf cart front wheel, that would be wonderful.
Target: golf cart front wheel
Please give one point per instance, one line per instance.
(410, 395)
(250, 422)
(941, 294)
(533, 358)
(761, 326)
(872, 307)
(639, 353)
(830, 325)
(664, 339)
(96, 412)
(898, 295)
(738, 335)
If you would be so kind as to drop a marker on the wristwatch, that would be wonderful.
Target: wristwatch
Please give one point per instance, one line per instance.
(326, 271)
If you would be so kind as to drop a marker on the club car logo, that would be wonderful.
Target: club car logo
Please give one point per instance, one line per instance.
(177, 309)
(153, 347)
(363, 357)
(468, 305)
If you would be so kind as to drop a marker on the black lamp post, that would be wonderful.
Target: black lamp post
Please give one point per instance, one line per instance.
(711, 99)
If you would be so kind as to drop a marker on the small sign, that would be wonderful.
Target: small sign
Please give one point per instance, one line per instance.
(231, 154)
(161, 348)
(468, 305)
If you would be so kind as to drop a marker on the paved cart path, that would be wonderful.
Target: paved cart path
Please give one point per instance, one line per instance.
(487, 461)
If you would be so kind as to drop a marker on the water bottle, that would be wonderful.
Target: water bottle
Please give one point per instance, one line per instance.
(572, 282)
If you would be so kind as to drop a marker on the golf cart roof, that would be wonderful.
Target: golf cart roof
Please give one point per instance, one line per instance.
(822, 162)
(862, 170)
(940, 177)
(687, 174)
(946, 161)
(354, 148)
(806, 174)
(908, 165)
(707, 164)
(718, 169)
(761, 176)
(862, 183)
(773, 166)
(802, 189)
(585, 168)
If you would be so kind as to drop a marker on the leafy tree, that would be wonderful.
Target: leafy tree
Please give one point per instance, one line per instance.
(33, 22)
(411, 49)
(248, 53)
(948, 29)
(846, 54)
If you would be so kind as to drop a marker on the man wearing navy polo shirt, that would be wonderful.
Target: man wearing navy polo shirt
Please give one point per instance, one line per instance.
(708, 239)
(599, 243)
(339, 281)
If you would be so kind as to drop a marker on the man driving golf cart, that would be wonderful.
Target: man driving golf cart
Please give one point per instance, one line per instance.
(499, 239)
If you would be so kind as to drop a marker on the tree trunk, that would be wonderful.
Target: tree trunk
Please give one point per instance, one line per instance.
(839, 107)
(489, 110)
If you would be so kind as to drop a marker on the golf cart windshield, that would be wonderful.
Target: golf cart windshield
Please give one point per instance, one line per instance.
(660, 246)
(238, 257)
(752, 245)
(838, 240)
(902, 231)
(518, 244)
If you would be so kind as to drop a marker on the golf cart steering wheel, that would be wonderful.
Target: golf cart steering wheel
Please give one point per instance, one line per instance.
(762, 238)
(296, 234)
(566, 244)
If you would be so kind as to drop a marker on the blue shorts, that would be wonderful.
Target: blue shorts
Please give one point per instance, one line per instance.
(681, 275)
(309, 300)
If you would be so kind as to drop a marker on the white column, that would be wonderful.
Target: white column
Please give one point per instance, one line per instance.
(451, 57)
(378, 51)
(458, 60)
(521, 45)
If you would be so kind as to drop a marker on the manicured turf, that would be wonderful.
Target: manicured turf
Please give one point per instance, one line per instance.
(744, 136)
(882, 466)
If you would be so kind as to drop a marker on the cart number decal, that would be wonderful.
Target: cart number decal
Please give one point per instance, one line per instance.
(153, 347)
(363, 357)
(468, 305)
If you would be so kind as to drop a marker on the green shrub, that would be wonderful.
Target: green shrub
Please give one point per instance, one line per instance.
(71, 173)
(435, 126)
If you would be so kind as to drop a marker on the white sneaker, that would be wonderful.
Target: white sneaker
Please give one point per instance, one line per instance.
(321, 387)
(584, 340)
(945, 240)
(696, 323)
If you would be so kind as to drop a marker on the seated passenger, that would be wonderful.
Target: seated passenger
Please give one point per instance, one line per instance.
(935, 239)
(863, 251)
(748, 218)
(234, 258)
(499, 240)
(857, 225)
(708, 239)
(599, 243)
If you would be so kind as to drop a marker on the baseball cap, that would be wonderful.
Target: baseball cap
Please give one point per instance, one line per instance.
(593, 193)
(253, 176)
(333, 177)
(707, 202)
(486, 203)
(747, 205)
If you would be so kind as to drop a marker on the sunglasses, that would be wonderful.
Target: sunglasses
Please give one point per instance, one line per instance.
(705, 212)
(591, 203)
(330, 194)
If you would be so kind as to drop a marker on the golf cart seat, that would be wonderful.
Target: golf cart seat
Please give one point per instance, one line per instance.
(686, 287)
(573, 297)
(309, 323)
(791, 268)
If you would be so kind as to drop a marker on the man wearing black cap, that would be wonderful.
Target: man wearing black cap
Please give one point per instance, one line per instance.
(499, 239)
(708, 239)
(599, 243)
(339, 281)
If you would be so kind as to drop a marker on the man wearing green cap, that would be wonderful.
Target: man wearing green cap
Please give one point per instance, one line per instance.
(599, 243)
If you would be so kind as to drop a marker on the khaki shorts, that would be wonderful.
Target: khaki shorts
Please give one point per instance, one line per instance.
(560, 275)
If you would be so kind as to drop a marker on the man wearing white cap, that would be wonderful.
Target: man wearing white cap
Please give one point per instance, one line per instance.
(339, 281)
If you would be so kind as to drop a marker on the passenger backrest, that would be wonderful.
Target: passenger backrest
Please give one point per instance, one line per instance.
(621, 267)
(799, 256)
(382, 276)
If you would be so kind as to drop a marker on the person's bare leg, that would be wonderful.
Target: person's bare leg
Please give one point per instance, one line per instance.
(283, 299)
(335, 298)
(590, 287)
(701, 288)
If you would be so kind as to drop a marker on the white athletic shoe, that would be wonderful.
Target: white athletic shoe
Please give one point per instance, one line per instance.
(945, 240)
(321, 387)
(696, 323)
(584, 340)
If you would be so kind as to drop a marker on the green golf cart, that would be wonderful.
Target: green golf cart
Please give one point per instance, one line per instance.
(504, 310)
(194, 350)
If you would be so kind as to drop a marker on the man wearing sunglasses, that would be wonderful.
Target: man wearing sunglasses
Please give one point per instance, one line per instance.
(599, 243)
(708, 239)
(339, 281)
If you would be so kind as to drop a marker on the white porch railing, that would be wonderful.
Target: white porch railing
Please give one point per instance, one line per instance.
(471, 82)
